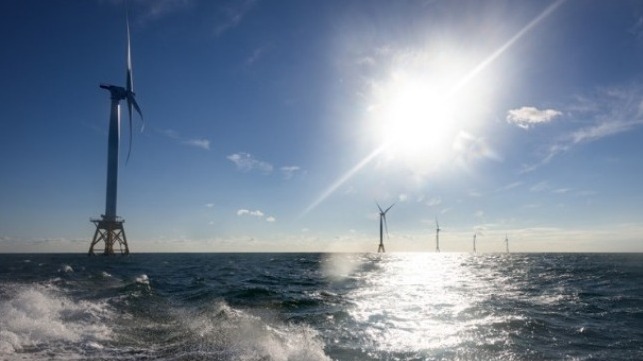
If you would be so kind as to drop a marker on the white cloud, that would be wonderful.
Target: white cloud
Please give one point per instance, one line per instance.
(247, 212)
(196, 142)
(289, 171)
(403, 197)
(527, 117)
(209, 205)
(199, 143)
(256, 213)
(246, 163)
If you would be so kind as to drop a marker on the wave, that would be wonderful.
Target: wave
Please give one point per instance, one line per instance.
(38, 319)
(42, 321)
(221, 332)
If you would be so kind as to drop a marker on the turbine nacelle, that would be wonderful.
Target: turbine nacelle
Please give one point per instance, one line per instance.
(383, 213)
(118, 92)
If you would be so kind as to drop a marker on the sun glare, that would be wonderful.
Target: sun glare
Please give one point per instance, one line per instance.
(421, 108)
(416, 118)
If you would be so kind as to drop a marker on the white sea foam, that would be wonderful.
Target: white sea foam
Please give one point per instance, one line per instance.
(143, 279)
(39, 317)
(66, 269)
(249, 337)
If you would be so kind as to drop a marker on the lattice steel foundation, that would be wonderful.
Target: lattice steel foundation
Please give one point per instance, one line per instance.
(109, 231)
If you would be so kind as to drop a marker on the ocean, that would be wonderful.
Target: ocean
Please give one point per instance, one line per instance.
(316, 306)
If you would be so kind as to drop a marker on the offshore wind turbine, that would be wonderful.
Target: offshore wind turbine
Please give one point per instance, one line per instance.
(383, 225)
(109, 228)
(506, 243)
(475, 251)
(437, 235)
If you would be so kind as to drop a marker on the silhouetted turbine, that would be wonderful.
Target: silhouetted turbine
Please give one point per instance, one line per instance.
(383, 225)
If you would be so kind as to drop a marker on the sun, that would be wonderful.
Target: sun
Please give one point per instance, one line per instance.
(421, 107)
(416, 118)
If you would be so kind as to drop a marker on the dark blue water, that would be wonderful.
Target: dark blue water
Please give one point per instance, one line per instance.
(414, 306)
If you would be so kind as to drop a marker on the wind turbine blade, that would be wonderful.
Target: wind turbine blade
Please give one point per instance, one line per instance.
(129, 83)
(389, 208)
(380, 208)
(131, 101)
(129, 149)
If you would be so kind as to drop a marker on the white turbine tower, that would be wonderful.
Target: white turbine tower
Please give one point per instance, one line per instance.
(383, 225)
(109, 228)
(437, 235)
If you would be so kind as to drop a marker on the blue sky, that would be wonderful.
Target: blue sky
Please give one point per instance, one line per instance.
(278, 125)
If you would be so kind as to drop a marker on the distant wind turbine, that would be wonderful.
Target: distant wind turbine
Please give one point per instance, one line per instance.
(474, 243)
(383, 225)
(437, 235)
(109, 228)
(506, 243)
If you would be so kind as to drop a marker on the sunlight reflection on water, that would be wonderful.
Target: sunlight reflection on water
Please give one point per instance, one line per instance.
(427, 302)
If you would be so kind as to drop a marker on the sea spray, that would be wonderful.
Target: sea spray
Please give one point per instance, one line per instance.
(38, 315)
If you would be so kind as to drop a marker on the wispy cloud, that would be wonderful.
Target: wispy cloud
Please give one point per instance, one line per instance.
(245, 162)
(562, 190)
(604, 129)
(637, 28)
(231, 14)
(527, 117)
(607, 112)
(257, 54)
(290, 171)
(540, 187)
(509, 186)
(192, 142)
(152, 10)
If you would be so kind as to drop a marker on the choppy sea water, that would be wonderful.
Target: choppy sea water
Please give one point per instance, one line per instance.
(404, 306)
